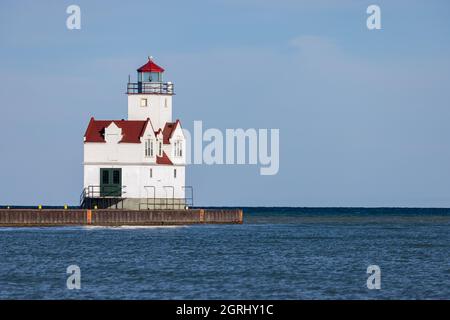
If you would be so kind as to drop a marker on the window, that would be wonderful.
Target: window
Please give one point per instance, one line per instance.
(151, 173)
(148, 147)
(105, 177)
(175, 173)
(150, 76)
(160, 149)
(151, 148)
(165, 103)
(144, 102)
(116, 177)
(178, 148)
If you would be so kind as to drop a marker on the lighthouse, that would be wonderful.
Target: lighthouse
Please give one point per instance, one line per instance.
(137, 163)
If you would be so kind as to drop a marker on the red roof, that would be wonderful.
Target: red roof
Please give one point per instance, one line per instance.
(132, 130)
(163, 160)
(169, 128)
(150, 66)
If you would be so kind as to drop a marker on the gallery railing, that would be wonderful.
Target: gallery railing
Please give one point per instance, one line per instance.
(150, 87)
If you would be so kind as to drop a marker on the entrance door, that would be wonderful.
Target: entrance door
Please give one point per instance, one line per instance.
(110, 182)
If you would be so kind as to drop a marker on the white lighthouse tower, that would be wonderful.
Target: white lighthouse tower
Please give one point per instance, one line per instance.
(137, 163)
(150, 97)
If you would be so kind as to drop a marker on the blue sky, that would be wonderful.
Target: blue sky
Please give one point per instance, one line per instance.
(363, 115)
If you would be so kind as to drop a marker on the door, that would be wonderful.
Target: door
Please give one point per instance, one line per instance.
(110, 182)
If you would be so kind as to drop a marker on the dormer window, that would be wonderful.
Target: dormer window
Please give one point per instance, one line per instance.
(178, 148)
(149, 148)
(146, 148)
(144, 102)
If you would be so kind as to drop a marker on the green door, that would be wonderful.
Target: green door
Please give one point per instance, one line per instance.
(110, 182)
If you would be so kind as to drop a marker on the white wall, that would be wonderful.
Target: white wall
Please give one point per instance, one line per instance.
(159, 108)
(136, 177)
(133, 153)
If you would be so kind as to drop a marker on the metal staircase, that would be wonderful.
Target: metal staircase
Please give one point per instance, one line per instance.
(102, 197)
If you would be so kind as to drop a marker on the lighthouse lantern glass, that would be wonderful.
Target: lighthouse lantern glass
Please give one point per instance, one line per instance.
(149, 76)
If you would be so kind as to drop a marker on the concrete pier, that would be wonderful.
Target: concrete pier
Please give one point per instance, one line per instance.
(107, 217)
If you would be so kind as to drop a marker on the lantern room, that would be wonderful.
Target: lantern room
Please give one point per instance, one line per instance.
(150, 72)
(150, 80)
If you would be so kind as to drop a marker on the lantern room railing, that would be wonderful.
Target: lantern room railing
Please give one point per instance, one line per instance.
(150, 87)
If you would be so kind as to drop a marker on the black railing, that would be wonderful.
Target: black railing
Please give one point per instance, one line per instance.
(103, 196)
(151, 202)
(189, 200)
(150, 87)
(147, 202)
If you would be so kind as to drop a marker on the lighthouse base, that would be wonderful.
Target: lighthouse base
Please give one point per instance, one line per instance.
(136, 203)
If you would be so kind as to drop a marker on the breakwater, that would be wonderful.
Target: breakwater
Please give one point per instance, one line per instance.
(67, 217)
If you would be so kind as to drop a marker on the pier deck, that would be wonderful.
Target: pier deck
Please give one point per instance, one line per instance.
(71, 217)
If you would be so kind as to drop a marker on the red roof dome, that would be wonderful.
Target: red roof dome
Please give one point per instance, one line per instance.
(150, 66)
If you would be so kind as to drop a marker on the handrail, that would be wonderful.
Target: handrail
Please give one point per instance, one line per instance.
(173, 196)
(91, 192)
(150, 87)
(191, 204)
(154, 196)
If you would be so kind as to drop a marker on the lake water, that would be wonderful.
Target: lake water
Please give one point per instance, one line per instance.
(278, 253)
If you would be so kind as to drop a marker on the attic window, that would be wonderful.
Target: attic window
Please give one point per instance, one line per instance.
(144, 102)
(149, 147)
(178, 148)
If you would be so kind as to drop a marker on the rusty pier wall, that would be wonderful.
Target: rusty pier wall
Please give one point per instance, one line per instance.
(71, 217)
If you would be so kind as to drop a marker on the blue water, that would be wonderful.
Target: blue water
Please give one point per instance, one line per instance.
(276, 254)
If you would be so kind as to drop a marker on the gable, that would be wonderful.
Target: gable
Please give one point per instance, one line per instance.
(169, 129)
(131, 130)
(113, 134)
(149, 132)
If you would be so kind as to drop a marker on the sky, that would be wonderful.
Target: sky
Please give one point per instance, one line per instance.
(364, 115)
